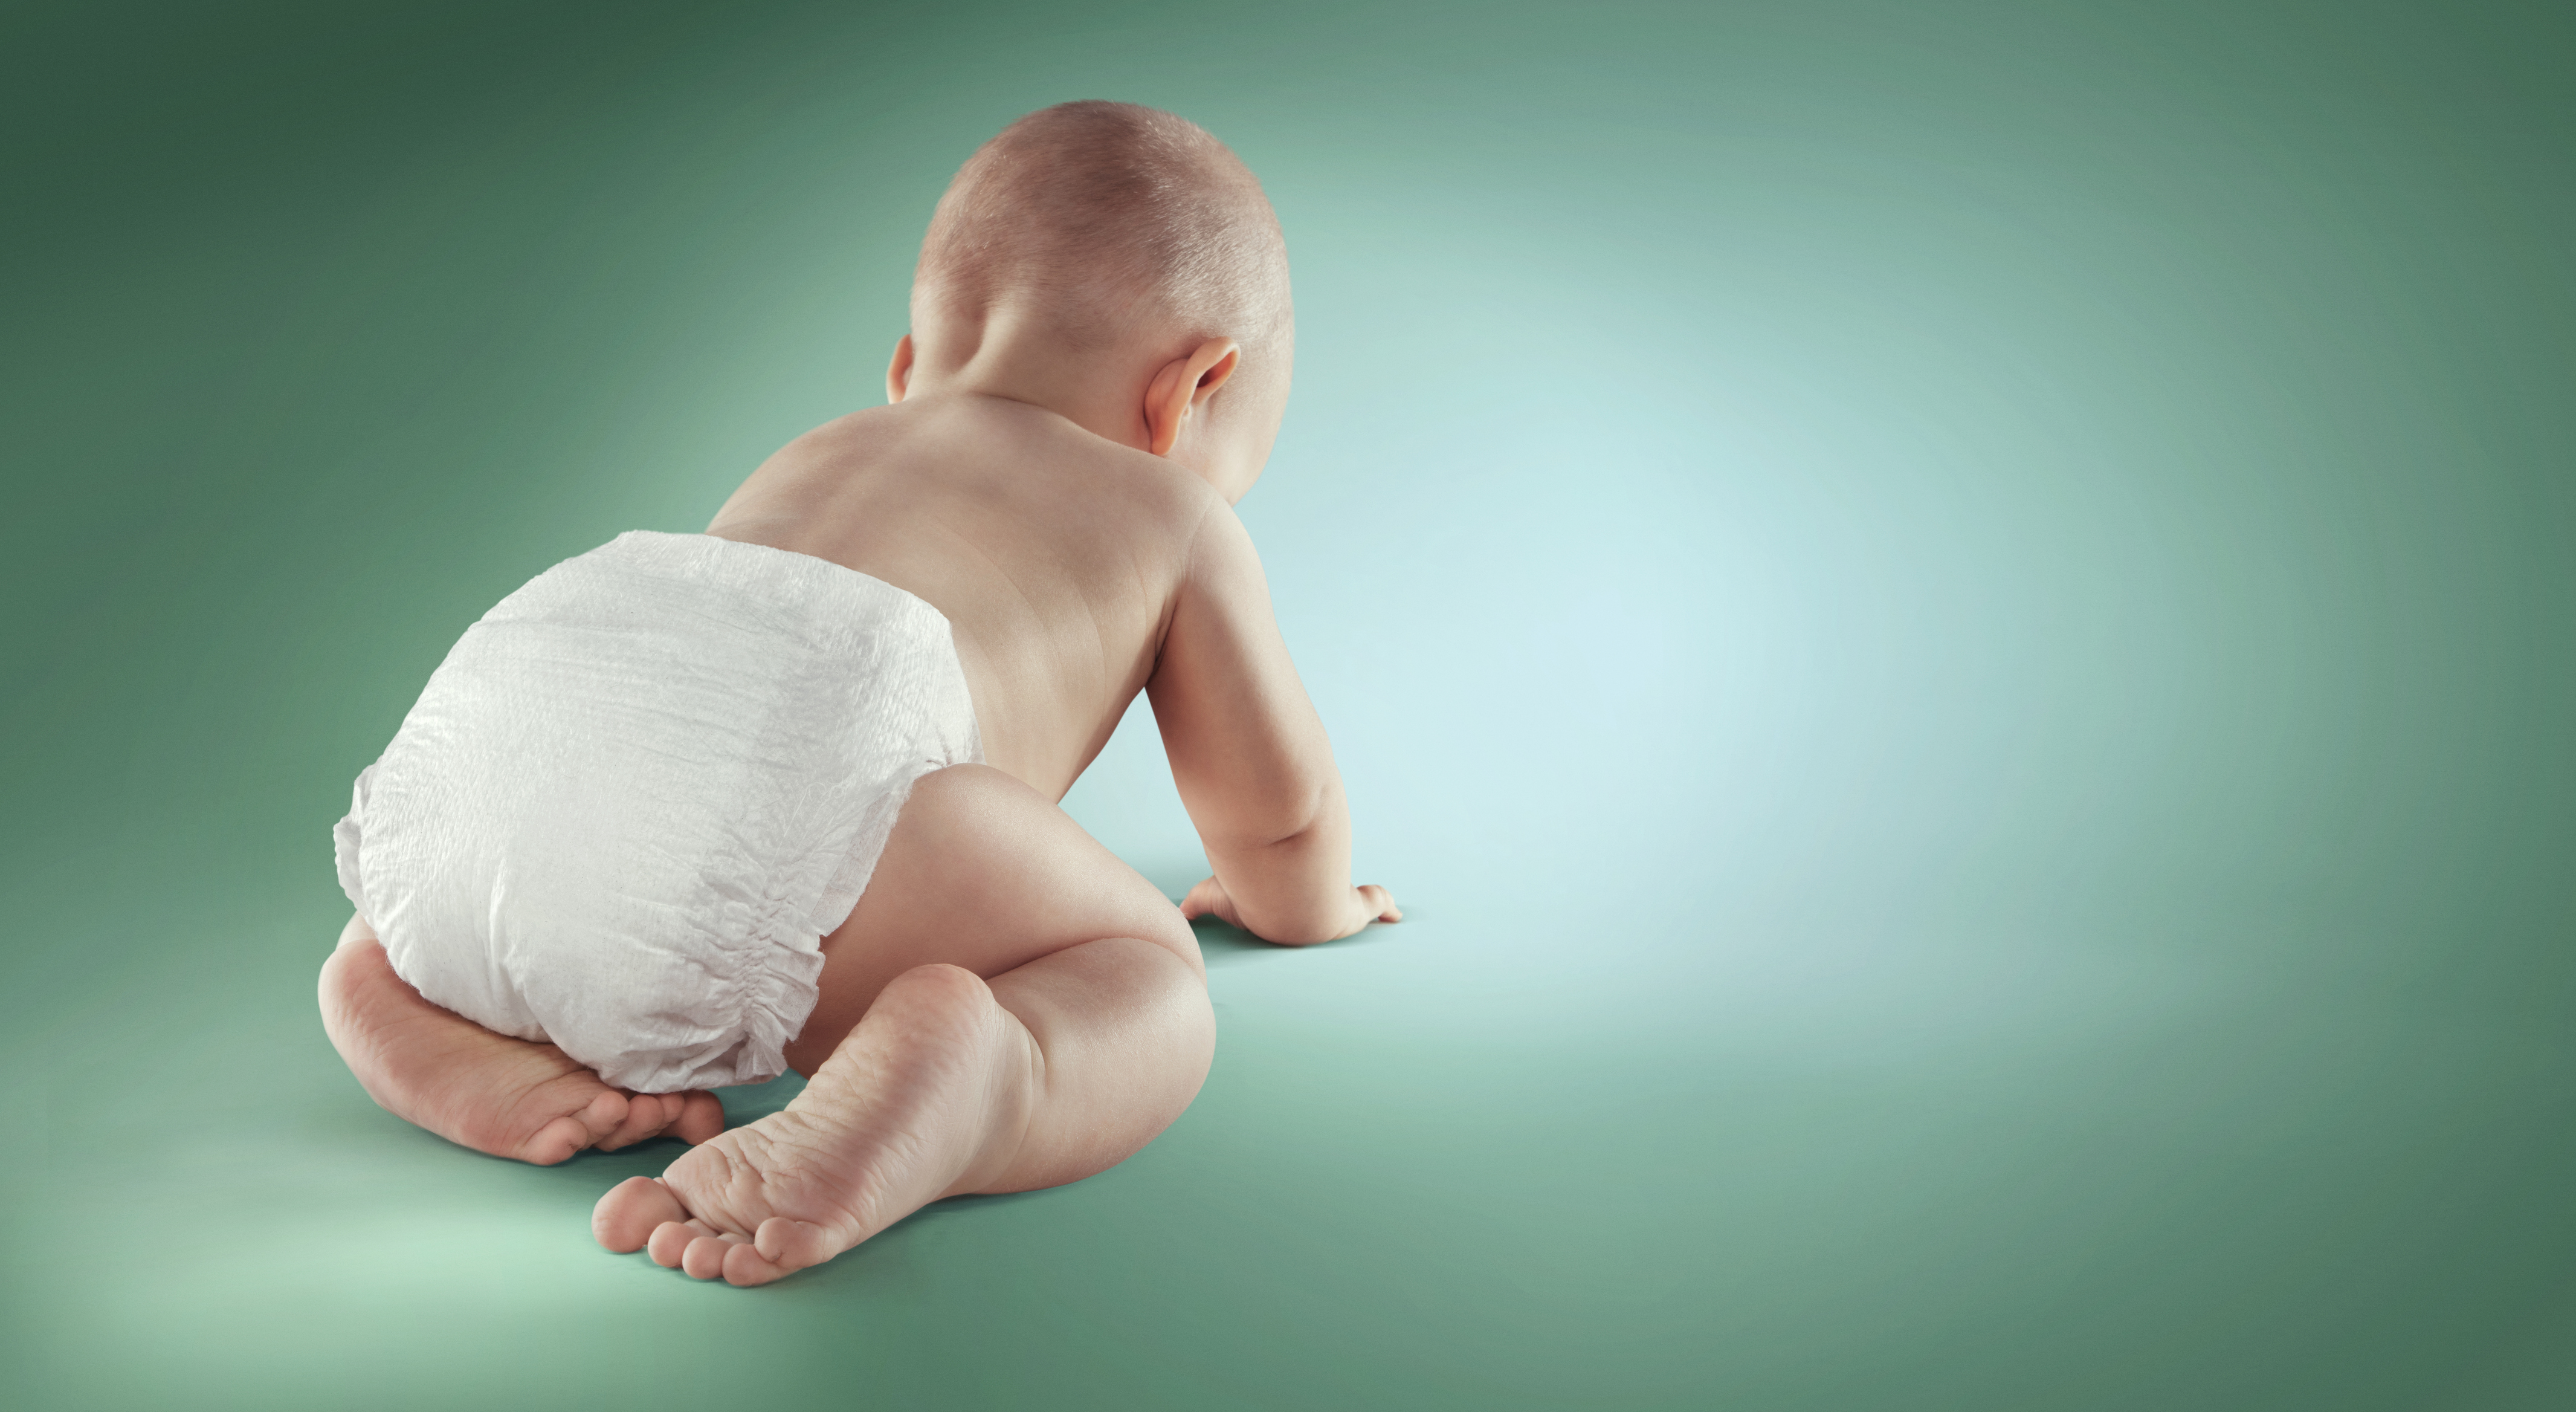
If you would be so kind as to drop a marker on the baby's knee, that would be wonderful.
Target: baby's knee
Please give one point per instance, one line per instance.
(941, 982)
(1153, 918)
(973, 830)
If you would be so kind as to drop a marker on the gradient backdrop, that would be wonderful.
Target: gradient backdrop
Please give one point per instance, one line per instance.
(1955, 621)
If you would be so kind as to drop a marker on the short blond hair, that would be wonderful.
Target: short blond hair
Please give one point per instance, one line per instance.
(1103, 216)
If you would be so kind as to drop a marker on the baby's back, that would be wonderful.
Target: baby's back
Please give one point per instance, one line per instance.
(1055, 555)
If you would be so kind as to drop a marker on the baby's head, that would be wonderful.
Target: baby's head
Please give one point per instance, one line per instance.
(1118, 264)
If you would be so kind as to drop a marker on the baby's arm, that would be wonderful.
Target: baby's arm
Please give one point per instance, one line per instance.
(1250, 757)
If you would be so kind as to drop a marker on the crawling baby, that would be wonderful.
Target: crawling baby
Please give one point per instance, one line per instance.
(692, 810)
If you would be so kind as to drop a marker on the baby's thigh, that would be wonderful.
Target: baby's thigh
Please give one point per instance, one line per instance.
(981, 872)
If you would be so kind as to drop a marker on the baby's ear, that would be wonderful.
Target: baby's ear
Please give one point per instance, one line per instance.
(1213, 377)
(1182, 384)
(899, 372)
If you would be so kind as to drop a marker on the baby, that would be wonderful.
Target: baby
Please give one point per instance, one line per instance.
(692, 810)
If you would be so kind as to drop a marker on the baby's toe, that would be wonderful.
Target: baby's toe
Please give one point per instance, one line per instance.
(646, 1115)
(556, 1141)
(745, 1266)
(671, 1240)
(789, 1245)
(705, 1257)
(560, 1137)
(603, 1113)
(632, 1210)
(701, 1117)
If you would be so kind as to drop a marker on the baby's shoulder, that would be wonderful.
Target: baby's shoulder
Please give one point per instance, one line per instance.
(1124, 494)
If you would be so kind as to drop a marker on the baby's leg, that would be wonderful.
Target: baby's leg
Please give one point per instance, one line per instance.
(1028, 1012)
(486, 1091)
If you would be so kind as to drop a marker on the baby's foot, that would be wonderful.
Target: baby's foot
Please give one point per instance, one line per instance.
(926, 1098)
(490, 1092)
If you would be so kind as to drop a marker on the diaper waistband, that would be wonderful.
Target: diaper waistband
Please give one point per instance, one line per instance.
(798, 585)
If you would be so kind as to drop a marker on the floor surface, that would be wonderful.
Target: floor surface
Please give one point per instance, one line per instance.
(1953, 621)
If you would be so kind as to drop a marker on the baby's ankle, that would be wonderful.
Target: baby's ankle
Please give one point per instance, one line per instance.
(1018, 1082)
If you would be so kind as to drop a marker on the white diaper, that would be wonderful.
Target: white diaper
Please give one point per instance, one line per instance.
(638, 793)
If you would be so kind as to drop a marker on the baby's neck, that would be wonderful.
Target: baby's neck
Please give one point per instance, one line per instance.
(1100, 391)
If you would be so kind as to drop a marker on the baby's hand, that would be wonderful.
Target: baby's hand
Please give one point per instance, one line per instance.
(1369, 903)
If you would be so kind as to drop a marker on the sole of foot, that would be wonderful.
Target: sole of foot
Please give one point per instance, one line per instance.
(490, 1092)
(924, 1099)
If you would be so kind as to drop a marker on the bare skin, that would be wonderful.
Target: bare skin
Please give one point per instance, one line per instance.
(1068, 1026)
(1008, 1006)
(486, 1091)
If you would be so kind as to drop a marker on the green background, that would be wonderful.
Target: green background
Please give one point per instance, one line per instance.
(1956, 622)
